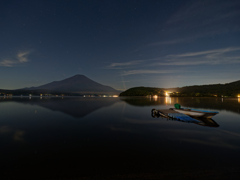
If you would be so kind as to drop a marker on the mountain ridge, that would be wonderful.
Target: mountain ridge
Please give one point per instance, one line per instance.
(231, 89)
(75, 84)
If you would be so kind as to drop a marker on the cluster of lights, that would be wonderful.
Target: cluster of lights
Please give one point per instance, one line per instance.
(167, 94)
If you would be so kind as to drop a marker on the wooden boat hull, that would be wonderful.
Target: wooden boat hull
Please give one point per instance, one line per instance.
(189, 112)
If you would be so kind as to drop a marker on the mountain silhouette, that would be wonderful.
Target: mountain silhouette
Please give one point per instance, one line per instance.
(76, 84)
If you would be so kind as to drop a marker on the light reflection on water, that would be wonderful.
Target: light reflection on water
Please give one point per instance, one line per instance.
(168, 100)
(62, 134)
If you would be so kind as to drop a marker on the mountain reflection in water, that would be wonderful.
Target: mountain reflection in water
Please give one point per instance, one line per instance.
(116, 138)
(80, 107)
(75, 107)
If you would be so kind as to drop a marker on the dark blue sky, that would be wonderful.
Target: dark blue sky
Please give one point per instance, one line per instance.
(121, 43)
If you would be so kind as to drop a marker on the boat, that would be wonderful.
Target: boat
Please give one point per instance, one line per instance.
(175, 116)
(194, 112)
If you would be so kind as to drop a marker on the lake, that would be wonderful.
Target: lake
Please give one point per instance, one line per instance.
(117, 138)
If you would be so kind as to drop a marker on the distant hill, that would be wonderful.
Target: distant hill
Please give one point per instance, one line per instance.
(78, 84)
(143, 91)
(213, 90)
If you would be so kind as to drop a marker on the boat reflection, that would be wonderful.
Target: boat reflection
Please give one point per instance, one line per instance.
(207, 122)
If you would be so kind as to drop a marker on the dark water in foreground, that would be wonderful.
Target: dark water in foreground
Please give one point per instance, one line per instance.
(113, 138)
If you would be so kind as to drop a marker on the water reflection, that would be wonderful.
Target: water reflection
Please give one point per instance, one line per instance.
(42, 143)
(229, 104)
(168, 100)
(76, 107)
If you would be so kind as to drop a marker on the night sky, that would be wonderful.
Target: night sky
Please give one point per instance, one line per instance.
(120, 43)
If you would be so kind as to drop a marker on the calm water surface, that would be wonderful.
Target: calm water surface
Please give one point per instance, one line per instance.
(117, 138)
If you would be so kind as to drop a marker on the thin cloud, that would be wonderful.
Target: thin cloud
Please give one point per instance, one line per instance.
(229, 55)
(205, 11)
(172, 41)
(20, 58)
(124, 65)
(198, 19)
(142, 71)
(7, 63)
(183, 63)
(210, 57)
(209, 52)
